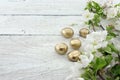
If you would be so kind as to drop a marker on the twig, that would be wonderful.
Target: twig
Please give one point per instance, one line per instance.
(119, 56)
(99, 74)
(93, 27)
(102, 27)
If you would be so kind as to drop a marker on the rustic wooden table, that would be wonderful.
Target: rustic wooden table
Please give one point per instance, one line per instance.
(29, 30)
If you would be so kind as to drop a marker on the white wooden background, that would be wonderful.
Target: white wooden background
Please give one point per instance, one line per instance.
(29, 30)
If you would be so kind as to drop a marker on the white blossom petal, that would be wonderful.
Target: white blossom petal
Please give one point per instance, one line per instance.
(112, 12)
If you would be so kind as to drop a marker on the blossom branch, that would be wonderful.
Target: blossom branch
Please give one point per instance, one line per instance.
(99, 74)
(102, 27)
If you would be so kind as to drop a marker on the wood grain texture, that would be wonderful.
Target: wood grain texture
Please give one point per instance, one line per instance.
(32, 58)
(43, 7)
(36, 24)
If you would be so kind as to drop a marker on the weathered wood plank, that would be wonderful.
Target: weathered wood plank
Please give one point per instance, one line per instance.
(32, 58)
(36, 25)
(46, 7)
(43, 7)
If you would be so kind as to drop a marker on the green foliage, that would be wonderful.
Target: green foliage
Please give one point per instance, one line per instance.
(113, 48)
(95, 21)
(108, 59)
(111, 33)
(94, 7)
(105, 51)
(109, 49)
(89, 74)
(101, 62)
(98, 69)
(116, 70)
(98, 64)
(117, 5)
(118, 15)
(98, 13)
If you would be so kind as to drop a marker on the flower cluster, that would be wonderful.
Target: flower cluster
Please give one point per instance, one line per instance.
(100, 58)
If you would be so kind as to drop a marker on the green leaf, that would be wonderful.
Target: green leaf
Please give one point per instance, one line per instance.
(108, 59)
(117, 5)
(116, 70)
(108, 50)
(94, 7)
(111, 33)
(110, 28)
(96, 19)
(117, 78)
(105, 51)
(118, 15)
(109, 37)
(113, 48)
(99, 63)
(88, 74)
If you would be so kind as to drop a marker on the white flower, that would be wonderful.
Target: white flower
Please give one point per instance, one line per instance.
(111, 12)
(88, 15)
(108, 4)
(86, 59)
(116, 42)
(117, 26)
(76, 70)
(92, 42)
(80, 78)
(118, 7)
(87, 47)
(97, 39)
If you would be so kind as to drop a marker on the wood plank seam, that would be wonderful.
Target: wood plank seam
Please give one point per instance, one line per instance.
(32, 34)
(40, 15)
